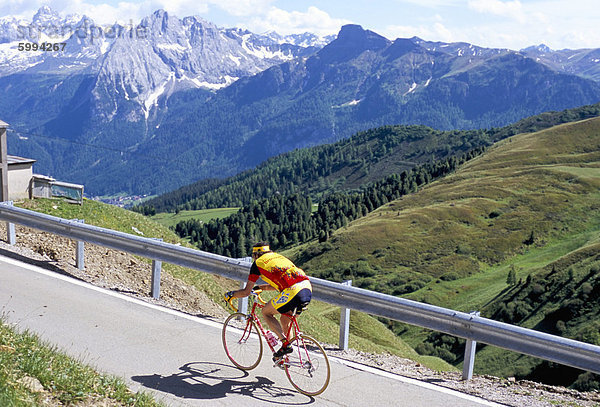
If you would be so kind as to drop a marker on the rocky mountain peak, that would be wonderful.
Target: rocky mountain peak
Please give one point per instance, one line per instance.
(161, 23)
(542, 48)
(45, 15)
(402, 46)
(351, 41)
(353, 34)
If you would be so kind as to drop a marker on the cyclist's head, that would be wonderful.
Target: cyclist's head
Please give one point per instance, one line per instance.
(259, 249)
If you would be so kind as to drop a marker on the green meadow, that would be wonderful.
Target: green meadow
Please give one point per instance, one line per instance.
(203, 215)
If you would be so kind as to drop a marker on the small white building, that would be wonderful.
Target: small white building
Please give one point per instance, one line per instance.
(24, 184)
(17, 180)
(47, 187)
(20, 173)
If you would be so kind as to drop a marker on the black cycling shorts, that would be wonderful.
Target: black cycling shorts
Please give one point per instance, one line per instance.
(290, 299)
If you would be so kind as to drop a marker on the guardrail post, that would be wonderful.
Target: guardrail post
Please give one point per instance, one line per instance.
(243, 302)
(3, 162)
(156, 270)
(11, 235)
(80, 252)
(345, 323)
(469, 360)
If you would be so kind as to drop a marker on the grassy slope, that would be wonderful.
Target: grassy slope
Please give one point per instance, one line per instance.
(367, 333)
(203, 215)
(474, 223)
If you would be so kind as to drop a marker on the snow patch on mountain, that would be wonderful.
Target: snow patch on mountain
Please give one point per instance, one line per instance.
(226, 81)
(411, 89)
(353, 102)
(152, 98)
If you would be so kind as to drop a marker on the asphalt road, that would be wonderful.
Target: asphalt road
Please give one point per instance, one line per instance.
(180, 358)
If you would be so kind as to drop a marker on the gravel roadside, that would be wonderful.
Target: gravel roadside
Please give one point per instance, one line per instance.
(125, 273)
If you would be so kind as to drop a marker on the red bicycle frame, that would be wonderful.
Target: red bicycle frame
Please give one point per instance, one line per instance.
(258, 302)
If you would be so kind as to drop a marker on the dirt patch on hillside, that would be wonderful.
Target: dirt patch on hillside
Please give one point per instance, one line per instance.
(108, 269)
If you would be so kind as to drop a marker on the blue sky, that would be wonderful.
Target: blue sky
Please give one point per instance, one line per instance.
(511, 24)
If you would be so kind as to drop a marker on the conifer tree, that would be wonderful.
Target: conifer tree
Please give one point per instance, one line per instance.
(511, 280)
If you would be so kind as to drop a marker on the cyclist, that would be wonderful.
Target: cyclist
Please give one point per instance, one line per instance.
(295, 290)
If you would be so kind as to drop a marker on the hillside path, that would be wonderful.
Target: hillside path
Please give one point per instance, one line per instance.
(178, 357)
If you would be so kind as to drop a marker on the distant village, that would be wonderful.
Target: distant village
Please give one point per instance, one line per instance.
(122, 201)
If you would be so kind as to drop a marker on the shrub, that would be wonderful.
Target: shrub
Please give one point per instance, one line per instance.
(425, 348)
(537, 289)
(587, 382)
(494, 214)
(586, 289)
(445, 354)
(449, 276)
(409, 288)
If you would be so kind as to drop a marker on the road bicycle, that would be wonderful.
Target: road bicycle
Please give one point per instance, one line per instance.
(307, 367)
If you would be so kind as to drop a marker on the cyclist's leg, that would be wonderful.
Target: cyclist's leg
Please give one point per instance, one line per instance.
(299, 298)
(286, 321)
(269, 311)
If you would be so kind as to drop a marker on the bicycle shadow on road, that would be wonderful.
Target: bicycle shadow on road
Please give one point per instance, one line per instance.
(206, 380)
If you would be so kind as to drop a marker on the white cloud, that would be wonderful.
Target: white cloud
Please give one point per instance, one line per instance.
(19, 8)
(494, 23)
(288, 22)
(432, 3)
(434, 32)
(107, 12)
(256, 15)
(536, 22)
(180, 8)
(242, 8)
(565, 25)
(512, 9)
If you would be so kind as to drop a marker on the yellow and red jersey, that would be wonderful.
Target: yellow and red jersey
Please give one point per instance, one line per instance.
(277, 271)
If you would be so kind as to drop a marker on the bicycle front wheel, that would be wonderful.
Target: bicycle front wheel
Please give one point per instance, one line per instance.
(307, 367)
(241, 341)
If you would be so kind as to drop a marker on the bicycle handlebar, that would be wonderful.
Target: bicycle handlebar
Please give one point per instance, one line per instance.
(255, 294)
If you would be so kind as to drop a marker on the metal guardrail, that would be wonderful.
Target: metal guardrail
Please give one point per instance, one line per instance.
(468, 326)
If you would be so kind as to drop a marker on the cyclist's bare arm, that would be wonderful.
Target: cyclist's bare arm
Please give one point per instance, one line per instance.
(265, 287)
(244, 292)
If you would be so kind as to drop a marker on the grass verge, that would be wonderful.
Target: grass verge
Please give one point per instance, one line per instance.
(33, 373)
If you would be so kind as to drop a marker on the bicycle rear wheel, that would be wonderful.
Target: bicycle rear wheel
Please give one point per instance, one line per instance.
(307, 367)
(241, 341)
